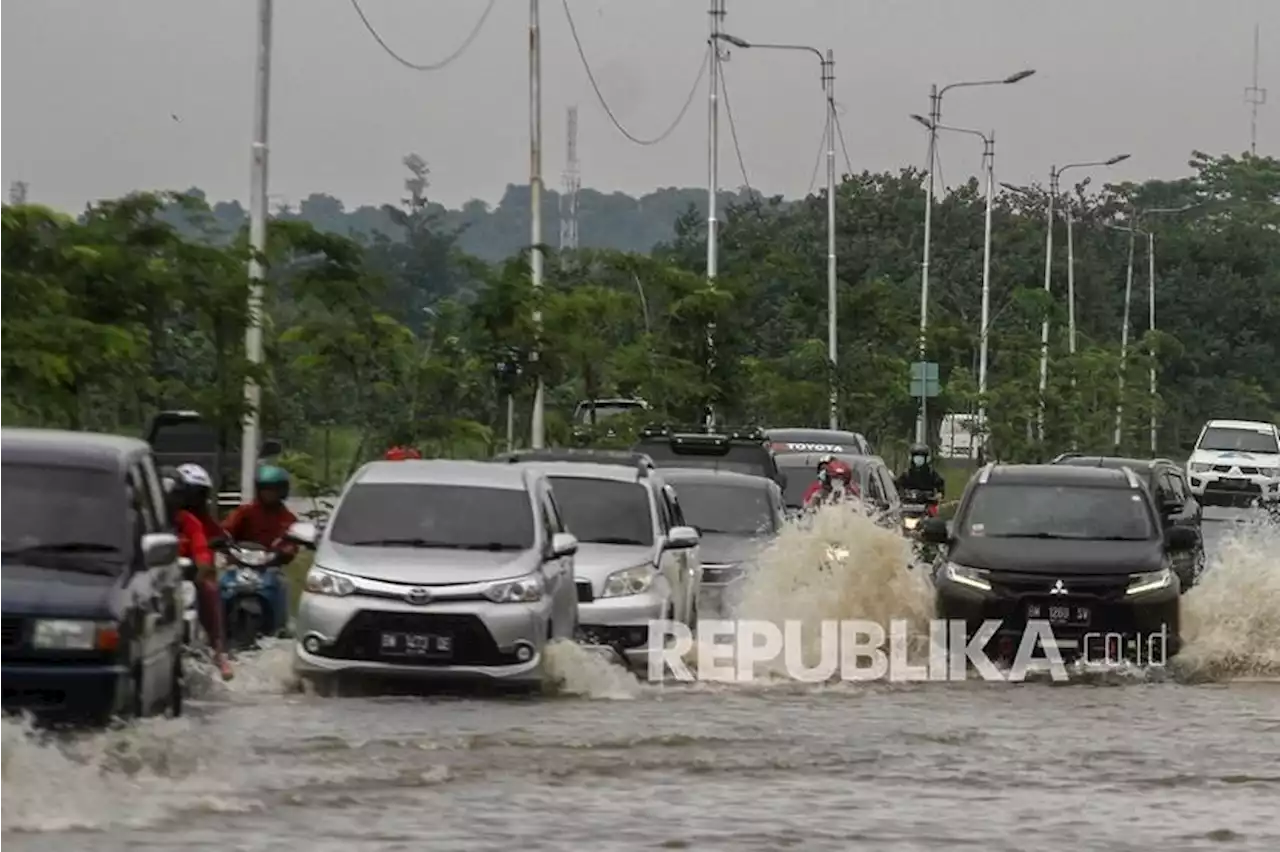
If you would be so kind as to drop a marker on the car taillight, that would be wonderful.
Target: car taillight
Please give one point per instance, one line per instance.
(933, 510)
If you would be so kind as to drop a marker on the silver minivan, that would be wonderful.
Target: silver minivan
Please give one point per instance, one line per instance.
(438, 570)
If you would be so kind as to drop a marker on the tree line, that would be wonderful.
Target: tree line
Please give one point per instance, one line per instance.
(139, 304)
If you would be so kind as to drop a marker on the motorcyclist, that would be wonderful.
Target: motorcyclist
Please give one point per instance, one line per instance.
(198, 500)
(265, 521)
(832, 472)
(920, 474)
(183, 486)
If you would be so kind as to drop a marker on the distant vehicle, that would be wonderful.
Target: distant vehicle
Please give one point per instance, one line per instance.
(1236, 463)
(1167, 482)
(92, 588)
(438, 570)
(801, 440)
(638, 560)
(741, 450)
(582, 455)
(958, 437)
(1079, 548)
(872, 477)
(591, 411)
(186, 437)
(736, 515)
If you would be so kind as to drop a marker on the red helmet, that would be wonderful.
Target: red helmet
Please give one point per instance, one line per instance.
(402, 454)
(837, 469)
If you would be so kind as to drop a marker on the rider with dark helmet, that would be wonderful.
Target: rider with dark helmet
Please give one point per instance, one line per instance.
(920, 475)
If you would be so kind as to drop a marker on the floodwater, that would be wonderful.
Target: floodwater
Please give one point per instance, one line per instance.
(1181, 757)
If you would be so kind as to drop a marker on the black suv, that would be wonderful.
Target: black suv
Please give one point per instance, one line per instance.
(1167, 481)
(1081, 548)
(92, 592)
(739, 450)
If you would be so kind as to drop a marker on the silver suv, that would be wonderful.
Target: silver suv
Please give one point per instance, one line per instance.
(438, 569)
(637, 559)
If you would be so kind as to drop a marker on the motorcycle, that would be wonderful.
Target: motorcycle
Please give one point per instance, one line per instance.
(917, 506)
(249, 587)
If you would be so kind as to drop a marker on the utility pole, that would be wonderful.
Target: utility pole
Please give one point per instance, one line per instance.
(989, 161)
(249, 440)
(1255, 97)
(570, 184)
(935, 109)
(18, 192)
(713, 185)
(1048, 279)
(829, 82)
(537, 423)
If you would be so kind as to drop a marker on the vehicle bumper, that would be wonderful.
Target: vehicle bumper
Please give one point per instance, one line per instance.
(1149, 620)
(487, 641)
(79, 692)
(1212, 488)
(621, 624)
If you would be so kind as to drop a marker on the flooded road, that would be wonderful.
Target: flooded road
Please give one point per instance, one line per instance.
(1170, 759)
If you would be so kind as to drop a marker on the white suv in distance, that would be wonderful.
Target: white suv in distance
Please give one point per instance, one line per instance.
(1236, 463)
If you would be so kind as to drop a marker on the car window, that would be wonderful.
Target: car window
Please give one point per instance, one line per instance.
(156, 489)
(677, 511)
(1033, 510)
(466, 517)
(890, 490)
(553, 511)
(732, 510)
(605, 511)
(875, 492)
(666, 517)
(143, 501)
(54, 506)
(1165, 492)
(1179, 486)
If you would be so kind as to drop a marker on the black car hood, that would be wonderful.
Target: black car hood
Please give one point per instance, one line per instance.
(1060, 557)
(29, 590)
(725, 549)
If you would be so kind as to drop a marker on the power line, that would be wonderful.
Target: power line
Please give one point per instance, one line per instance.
(848, 164)
(817, 161)
(693, 90)
(733, 131)
(432, 66)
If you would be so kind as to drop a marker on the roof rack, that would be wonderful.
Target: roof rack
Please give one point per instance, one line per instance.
(1064, 456)
(585, 455)
(753, 434)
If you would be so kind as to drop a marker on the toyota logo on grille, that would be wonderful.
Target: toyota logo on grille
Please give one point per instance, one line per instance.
(418, 596)
(1058, 589)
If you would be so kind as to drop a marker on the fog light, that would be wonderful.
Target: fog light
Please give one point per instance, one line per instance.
(524, 653)
(311, 644)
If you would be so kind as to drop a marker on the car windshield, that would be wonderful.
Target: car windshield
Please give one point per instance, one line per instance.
(731, 510)
(464, 517)
(1224, 439)
(1048, 511)
(60, 515)
(604, 511)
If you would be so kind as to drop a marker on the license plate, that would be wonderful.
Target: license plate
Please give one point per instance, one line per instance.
(1060, 614)
(1235, 483)
(416, 644)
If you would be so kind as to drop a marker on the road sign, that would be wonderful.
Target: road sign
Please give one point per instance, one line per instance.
(924, 379)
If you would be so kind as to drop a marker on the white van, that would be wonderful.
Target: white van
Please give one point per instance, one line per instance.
(1236, 463)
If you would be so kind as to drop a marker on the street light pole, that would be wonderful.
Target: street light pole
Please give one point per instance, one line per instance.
(713, 186)
(1124, 334)
(249, 439)
(537, 420)
(1151, 327)
(935, 115)
(828, 86)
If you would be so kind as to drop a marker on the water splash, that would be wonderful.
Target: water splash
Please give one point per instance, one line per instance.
(574, 670)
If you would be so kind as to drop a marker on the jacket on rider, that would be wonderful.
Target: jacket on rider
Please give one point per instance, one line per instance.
(920, 475)
(193, 544)
(265, 520)
(829, 471)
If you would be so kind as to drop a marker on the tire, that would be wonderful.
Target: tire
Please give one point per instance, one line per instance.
(177, 687)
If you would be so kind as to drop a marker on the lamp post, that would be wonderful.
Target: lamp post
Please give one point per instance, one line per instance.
(988, 163)
(935, 116)
(827, 62)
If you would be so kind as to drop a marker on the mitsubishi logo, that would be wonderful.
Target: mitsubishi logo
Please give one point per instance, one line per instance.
(1058, 589)
(421, 596)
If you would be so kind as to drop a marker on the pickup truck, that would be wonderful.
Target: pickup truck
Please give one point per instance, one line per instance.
(185, 437)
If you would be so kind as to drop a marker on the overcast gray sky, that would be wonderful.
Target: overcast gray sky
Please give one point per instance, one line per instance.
(91, 87)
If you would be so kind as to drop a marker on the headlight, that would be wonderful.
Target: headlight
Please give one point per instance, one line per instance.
(322, 582)
(975, 578)
(254, 557)
(1200, 467)
(1149, 582)
(522, 590)
(629, 581)
(75, 635)
(837, 554)
(1269, 472)
(911, 522)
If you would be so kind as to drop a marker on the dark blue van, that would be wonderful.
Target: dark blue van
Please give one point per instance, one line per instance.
(91, 597)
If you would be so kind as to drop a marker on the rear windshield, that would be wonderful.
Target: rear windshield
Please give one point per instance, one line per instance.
(1004, 510)
(750, 459)
(429, 515)
(604, 511)
(58, 507)
(185, 437)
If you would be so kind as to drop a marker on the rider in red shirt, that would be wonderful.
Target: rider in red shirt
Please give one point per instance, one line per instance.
(266, 519)
(830, 471)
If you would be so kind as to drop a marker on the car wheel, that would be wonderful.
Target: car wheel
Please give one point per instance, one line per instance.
(177, 686)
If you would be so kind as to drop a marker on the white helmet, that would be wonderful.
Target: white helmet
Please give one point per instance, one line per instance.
(194, 476)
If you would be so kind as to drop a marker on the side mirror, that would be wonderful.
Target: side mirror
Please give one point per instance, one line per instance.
(563, 544)
(681, 538)
(303, 532)
(1180, 539)
(159, 549)
(271, 447)
(934, 531)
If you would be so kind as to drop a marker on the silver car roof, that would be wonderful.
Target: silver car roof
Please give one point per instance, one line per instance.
(478, 474)
(586, 470)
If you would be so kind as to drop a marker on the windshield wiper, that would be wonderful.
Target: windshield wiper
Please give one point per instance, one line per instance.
(62, 547)
(401, 542)
(613, 539)
(488, 545)
(1041, 535)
